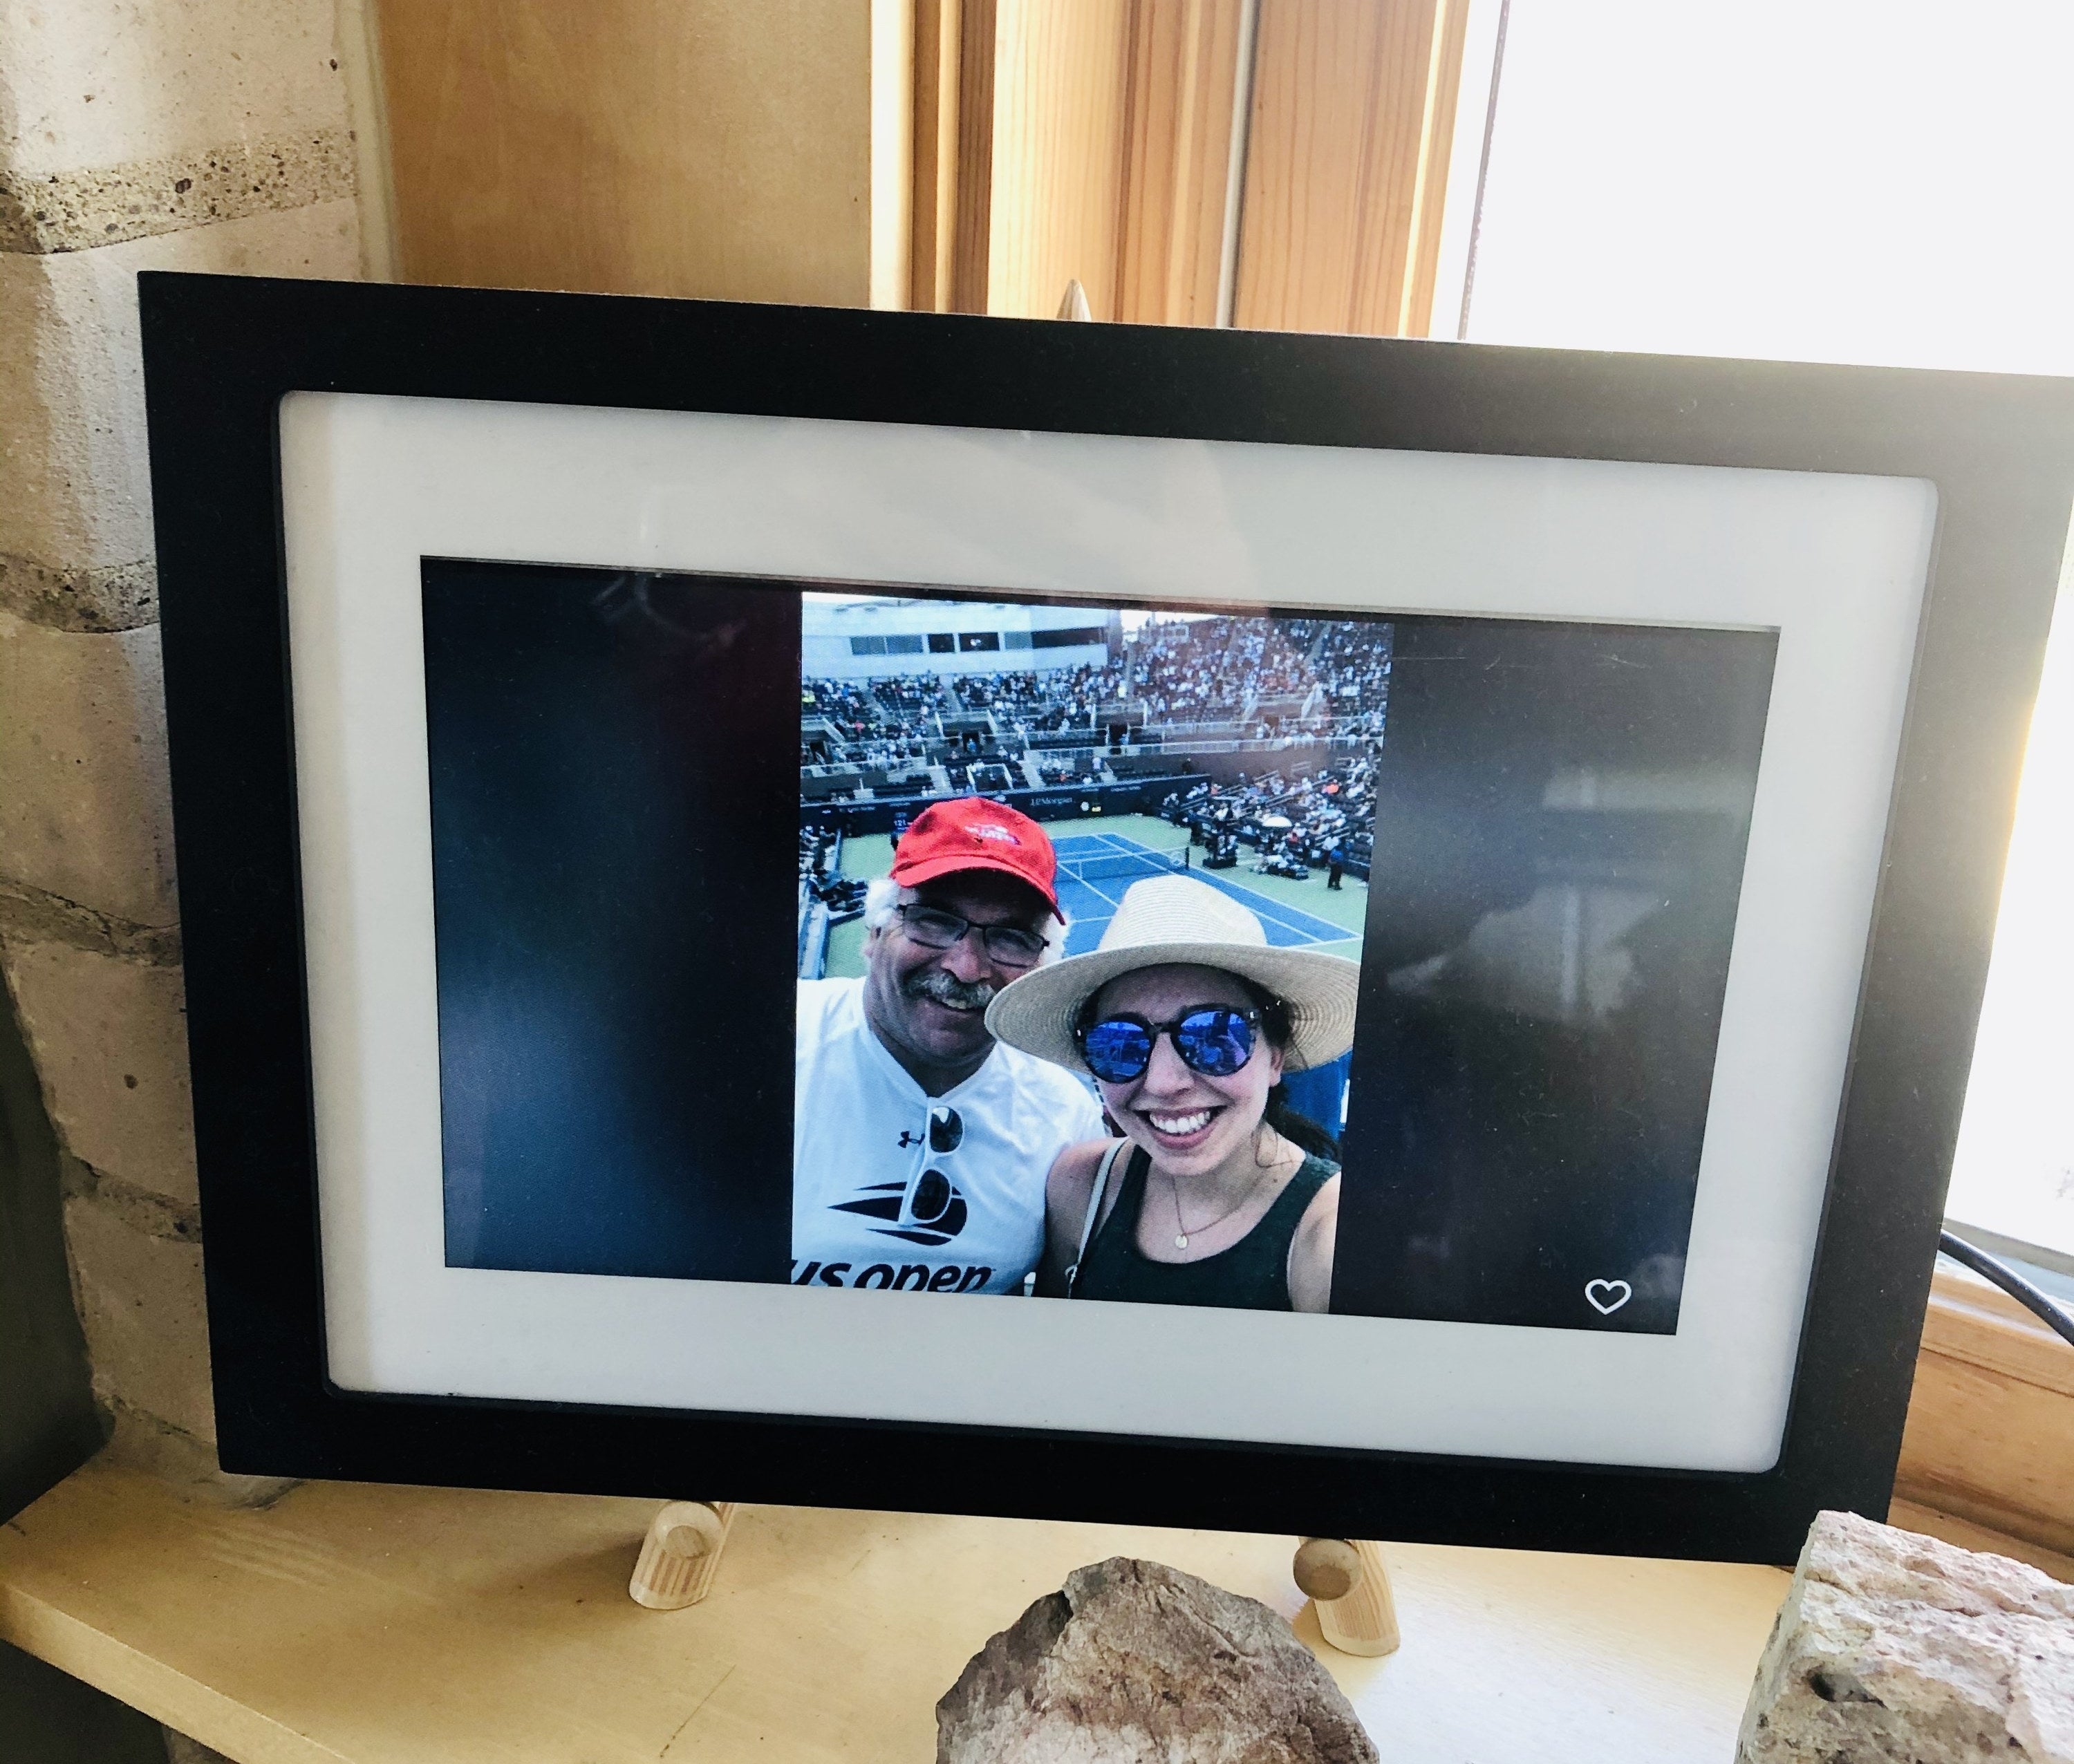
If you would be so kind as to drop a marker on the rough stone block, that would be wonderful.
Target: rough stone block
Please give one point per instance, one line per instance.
(1896, 1649)
(99, 82)
(141, 1304)
(162, 1452)
(84, 809)
(1134, 1661)
(109, 1036)
(114, 597)
(79, 211)
(75, 486)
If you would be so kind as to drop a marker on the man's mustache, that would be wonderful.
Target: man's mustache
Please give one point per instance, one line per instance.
(948, 990)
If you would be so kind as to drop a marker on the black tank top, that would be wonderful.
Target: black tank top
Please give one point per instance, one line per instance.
(1251, 1275)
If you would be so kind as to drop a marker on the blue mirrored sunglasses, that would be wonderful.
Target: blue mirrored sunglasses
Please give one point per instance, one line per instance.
(1213, 1040)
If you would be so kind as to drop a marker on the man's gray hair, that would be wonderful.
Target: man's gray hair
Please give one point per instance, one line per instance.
(883, 898)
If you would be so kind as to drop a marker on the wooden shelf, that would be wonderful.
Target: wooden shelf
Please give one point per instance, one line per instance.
(356, 1624)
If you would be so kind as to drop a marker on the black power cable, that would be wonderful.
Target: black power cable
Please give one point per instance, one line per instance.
(2055, 1315)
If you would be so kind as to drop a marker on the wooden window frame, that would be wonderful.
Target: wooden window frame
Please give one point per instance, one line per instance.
(1990, 1435)
(1276, 164)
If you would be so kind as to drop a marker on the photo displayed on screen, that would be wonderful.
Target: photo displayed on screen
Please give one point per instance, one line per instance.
(1107, 952)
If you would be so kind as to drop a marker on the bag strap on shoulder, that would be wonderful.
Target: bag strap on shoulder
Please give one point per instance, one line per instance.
(1102, 1172)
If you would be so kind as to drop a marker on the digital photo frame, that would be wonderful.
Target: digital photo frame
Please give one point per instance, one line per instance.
(551, 679)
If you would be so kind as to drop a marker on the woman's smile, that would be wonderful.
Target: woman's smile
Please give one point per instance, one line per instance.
(1180, 1131)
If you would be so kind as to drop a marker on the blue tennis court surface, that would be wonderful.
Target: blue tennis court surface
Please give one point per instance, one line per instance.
(1089, 905)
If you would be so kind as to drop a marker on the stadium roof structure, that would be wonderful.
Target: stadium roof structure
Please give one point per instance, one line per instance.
(826, 615)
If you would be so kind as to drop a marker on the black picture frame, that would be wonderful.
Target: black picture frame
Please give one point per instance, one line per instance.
(219, 354)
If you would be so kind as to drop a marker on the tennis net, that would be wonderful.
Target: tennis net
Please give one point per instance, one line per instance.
(1125, 866)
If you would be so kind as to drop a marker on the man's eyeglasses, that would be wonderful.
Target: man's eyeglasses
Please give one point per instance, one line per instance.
(1007, 946)
(1213, 1040)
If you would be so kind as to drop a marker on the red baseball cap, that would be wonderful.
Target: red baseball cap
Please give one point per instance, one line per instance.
(970, 833)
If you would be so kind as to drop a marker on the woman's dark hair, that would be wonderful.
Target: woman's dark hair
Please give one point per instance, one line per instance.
(1300, 1130)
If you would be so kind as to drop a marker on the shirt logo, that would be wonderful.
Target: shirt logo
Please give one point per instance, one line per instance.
(929, 1210)
(883, 1277)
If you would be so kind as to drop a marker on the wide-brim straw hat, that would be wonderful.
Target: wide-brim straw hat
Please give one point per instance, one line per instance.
(1171, 919)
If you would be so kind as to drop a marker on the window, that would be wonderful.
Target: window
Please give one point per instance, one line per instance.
(2014, 1173)
(1015, 640)
(943, 643)
(1072, 637)
(969, 641)
(867, 645)
(904, 645)
(1809, 237)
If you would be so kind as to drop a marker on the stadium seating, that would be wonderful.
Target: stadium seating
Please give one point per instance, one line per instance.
(1234, 687)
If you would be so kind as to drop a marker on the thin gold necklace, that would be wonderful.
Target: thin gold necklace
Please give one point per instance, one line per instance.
(1181, 1233)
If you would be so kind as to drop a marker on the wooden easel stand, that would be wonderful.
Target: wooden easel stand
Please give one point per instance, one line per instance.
(681, 1554)
(1349, 1588)
(1346, 1579)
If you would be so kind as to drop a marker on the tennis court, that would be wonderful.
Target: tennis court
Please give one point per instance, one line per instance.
(1296, 913)
(1095, 869)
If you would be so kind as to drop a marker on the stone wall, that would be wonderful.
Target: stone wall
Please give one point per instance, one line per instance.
(190, 134)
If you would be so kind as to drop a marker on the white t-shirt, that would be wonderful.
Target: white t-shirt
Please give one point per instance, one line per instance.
(872, 1205)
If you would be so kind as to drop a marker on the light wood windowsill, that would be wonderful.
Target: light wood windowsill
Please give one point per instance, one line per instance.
(357, 1624)
(1990, 1437)
(354, 1624)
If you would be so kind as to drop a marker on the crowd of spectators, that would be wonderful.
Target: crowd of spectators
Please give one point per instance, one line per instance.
(1323, 817)
(1066, 769)
(1205, 669)
(821, 877)
(1214, 671)
(1244, 678)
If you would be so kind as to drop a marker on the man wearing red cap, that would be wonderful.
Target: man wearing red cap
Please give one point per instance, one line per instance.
(920, 1146)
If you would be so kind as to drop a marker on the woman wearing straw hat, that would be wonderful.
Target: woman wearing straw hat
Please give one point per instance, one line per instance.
(1186, 1017)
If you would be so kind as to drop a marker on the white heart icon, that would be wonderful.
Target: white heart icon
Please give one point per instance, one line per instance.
(1607, 1296)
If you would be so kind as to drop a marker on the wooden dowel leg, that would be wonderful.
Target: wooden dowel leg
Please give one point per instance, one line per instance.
(1350, 1589)
(681, 1554)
